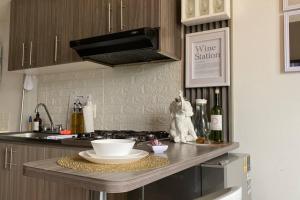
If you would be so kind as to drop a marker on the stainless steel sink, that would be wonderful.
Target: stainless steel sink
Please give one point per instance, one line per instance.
(30, 135)
(27, 135)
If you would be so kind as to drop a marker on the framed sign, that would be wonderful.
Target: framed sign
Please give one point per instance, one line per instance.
(291, 5)
(292, 41)
(207, 59)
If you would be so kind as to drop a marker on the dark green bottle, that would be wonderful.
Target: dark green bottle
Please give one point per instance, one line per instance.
(216, 120)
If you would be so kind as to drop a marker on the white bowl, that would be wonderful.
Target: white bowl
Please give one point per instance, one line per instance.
(112, 147)
(159, 149)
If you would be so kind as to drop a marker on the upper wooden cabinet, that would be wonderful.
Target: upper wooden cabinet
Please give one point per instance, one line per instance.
(41, 30)
(56, 22)
(22, 30)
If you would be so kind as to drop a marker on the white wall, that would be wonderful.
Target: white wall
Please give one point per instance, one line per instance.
(266, 101)
(11, 84)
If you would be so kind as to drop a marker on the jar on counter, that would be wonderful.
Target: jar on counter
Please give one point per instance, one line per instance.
(201, 119)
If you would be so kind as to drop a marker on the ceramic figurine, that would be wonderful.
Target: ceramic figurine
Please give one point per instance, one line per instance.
(182, 128)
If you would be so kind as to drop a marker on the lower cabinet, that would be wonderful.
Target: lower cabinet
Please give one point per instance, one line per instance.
(24, 188)
(59, 191)
(5, 189)
(15, 186)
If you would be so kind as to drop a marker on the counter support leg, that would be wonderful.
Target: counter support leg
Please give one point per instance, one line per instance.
(103, 196)
(94, 195)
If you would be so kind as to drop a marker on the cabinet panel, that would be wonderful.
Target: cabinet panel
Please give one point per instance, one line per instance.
(59, 191)
(4, 174)
(90, 19)
(135, 14)
(45, 33)
(66, 12)
(99, 21)
(30, 33)
(18, 27)
(25, 188)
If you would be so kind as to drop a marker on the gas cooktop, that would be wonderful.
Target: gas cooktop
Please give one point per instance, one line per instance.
(85, 139)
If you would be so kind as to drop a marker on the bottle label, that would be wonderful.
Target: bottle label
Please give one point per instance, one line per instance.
(216, 123)
(36, 126)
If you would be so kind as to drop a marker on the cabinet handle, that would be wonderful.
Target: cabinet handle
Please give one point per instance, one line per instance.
(55, 48)
(121, 15)
(11, 158)
(23, 54)
(109, 17)
(30, 55)
(5, 159)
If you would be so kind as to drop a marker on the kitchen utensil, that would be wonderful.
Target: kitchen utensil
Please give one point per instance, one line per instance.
(66, 132)
(113, 147)
(28, 82)
(88, 116)
(27, 86)
(59, 137)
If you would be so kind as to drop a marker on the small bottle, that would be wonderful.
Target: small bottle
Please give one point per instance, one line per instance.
(37, 123)
(201, 120)
(74, 119)
(216, 120)
(80, 119)
(30, 123)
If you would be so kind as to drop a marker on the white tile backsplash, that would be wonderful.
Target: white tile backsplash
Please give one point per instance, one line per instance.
(4, 122)
(128, 97)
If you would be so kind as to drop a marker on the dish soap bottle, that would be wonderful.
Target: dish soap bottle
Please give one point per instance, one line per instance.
(216, 120)
(37, 123)
(30, 123)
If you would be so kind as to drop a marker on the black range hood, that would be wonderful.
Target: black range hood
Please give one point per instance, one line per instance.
(140, 45)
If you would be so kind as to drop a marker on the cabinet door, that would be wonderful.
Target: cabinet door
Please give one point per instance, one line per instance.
(64, 20)
(91, 18)
(30, 33)
(135, 14)
(25, 188)
(5, 188)
(45, 33)
(59, 191)
(18, 44)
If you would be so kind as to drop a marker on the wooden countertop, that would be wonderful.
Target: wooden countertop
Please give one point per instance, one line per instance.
(181, 157)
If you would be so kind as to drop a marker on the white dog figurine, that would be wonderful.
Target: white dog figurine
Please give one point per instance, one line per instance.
(182, 128)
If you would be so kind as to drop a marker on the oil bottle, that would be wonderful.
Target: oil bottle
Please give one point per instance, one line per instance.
(77, 123)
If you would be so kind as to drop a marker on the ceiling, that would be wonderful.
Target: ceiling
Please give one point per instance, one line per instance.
(4, 10)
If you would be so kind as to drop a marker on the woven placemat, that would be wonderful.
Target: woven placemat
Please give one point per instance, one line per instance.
(78, 163)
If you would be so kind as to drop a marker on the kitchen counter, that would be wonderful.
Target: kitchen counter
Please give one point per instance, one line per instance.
(181, 157)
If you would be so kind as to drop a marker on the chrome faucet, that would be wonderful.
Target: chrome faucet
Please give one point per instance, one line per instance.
(46, 109)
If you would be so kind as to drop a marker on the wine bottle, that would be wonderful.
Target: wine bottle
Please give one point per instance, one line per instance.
(216, 120)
